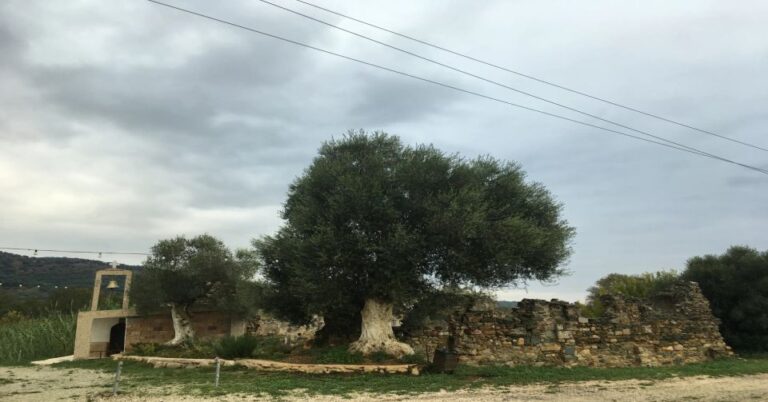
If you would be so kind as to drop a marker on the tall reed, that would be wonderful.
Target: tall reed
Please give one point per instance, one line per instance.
(37, 338)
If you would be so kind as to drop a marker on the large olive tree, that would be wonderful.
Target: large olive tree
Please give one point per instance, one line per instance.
(374, 224)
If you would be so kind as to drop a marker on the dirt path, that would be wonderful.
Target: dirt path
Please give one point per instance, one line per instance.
(50, 384)
(54, 384)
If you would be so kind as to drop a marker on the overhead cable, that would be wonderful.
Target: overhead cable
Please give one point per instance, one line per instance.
(467, 73)
(36, 250)
(449, 86)
(528, 76)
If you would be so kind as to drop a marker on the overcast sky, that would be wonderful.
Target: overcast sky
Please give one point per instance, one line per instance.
(124, 122)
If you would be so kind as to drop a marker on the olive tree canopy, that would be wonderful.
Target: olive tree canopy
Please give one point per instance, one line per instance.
(183, 272)
(373, 224)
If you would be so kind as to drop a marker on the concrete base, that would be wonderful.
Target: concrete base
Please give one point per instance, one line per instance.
(92, 334)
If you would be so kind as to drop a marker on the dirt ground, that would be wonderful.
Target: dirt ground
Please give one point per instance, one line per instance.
(54, 384)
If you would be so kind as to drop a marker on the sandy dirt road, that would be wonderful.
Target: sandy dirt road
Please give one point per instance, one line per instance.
(57, 384)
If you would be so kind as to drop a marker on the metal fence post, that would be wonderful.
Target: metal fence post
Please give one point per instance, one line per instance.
(116, 386)
(218, 371)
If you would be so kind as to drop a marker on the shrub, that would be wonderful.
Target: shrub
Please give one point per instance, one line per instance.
(231, 347)
(736, 285)
(336, 355)
(196, 350)
(640, 286)
(271, 348)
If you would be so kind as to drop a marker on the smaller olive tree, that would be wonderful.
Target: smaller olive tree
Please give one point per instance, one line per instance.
(184, 272)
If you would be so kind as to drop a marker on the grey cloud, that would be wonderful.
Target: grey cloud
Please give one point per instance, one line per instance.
(193, 125)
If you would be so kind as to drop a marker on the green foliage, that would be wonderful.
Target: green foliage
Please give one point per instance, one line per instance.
(438, 305)
(230, 347)
(336, 355)
(372, 218)
(191, 349)
(271, 348)
(37, 303)
(736, 285)
(638, 286)
(23, 340)
(188, 271)
(641, 286)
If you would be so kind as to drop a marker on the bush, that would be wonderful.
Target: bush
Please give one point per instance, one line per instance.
(38, 338)
(193, 350)
(231, 347)
(736, 285)
(641, 286)
(336, 355)
(271, 348)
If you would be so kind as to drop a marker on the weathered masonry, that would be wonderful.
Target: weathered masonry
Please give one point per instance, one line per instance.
(112, 326)
(673, 328)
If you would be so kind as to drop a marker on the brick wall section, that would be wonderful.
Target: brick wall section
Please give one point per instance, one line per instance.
(159, 328)
(674, 328)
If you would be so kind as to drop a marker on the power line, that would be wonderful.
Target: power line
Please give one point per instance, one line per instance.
(679, 148)
(467, 73)
(35, 250)
(540, 80)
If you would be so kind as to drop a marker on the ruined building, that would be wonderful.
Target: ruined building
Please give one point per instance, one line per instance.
(676, 327)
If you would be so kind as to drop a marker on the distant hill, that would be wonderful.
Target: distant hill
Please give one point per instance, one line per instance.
(49, 272)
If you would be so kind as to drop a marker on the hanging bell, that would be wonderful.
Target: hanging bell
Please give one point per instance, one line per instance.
(112, 285)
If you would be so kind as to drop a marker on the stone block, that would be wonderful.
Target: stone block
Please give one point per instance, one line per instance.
(550, 347)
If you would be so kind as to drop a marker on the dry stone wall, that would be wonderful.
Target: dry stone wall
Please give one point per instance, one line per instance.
(672, 328)
(264, 324)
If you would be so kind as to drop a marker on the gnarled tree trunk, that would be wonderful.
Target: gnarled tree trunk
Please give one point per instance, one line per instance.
(376, 331)
(182, 325)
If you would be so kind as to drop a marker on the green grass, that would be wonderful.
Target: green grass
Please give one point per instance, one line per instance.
(37, 338)
(138, 377)
(270, 348)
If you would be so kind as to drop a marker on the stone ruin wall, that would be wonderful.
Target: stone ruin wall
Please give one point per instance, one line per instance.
(264, 324)
(674, 328)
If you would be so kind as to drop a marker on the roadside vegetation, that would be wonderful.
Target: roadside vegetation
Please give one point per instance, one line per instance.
(25, 339)
(140, 379)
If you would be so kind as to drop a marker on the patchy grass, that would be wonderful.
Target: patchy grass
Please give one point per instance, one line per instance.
(269, 348)
(199, 381)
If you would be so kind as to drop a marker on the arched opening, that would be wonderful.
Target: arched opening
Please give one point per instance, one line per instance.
(116, 338)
